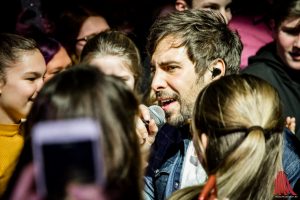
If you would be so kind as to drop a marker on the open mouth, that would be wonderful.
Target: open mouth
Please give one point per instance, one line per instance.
(165, 103)
(295, 55)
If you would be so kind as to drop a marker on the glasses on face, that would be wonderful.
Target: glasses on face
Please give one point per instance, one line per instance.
(83, 40)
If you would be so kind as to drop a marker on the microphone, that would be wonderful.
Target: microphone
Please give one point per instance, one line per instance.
(158, 114)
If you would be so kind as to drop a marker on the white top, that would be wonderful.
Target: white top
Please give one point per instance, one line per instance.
(193, 172)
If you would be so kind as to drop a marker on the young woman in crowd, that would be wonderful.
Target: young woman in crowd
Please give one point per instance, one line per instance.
(114, 53)
(22, 67)
(76, 26)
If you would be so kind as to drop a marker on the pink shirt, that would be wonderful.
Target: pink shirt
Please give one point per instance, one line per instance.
(253, 36)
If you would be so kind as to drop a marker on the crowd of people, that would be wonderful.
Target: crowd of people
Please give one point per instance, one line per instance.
(231, 128)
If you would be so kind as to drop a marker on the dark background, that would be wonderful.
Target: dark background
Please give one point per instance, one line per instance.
(137, 12)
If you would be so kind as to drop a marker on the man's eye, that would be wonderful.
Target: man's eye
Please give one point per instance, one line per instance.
(212, 7)
(171, 68)
(229, 6)
(291, 31)
(124, 78)
(30, 78)
(56, 72)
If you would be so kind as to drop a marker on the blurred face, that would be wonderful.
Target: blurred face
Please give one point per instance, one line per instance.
(114, 65)
(175, 82)
(91, 26)
(60, 61)
(223, 6)
(288, 42)
(24, 79)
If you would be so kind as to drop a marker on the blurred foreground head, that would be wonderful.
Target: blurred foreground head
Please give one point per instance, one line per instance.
(86, 92)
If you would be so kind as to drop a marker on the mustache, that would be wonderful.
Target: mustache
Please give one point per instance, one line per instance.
(166, 95)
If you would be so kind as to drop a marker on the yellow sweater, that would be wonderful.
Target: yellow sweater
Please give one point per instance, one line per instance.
(11, 144)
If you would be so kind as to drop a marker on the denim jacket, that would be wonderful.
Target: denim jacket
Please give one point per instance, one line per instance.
(291, 159)
(165, 163)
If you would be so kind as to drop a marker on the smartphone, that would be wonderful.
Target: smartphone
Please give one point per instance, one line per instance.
(64, 152)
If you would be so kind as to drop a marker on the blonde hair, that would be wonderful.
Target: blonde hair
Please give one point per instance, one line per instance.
(242, 116)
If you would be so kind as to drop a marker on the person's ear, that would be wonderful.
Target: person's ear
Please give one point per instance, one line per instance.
(217, 68)
(181, 5)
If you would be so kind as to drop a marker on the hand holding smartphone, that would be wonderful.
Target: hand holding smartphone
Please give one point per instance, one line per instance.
(66, 152)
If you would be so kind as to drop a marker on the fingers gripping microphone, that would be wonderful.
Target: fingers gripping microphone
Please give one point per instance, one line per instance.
(158, 114)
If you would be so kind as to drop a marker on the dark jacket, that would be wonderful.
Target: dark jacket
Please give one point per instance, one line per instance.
(267, 65)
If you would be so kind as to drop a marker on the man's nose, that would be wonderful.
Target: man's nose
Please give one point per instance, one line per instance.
(159, 81)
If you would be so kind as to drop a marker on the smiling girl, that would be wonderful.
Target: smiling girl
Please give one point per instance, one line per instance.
(22, 67)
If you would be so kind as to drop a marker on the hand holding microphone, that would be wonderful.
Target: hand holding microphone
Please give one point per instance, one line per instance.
(151, 119)
(157, 114)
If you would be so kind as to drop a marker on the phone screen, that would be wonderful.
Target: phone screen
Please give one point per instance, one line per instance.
(66, 163)
(66, 152)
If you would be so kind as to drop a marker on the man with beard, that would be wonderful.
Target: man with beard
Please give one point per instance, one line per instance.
(188, 50)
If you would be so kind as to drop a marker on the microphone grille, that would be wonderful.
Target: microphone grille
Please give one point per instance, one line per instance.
(158, 114)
